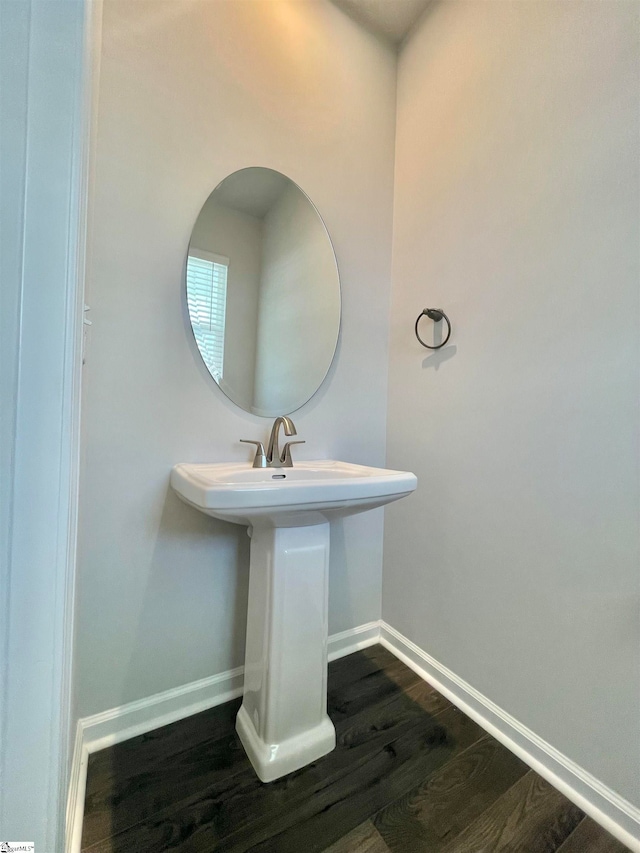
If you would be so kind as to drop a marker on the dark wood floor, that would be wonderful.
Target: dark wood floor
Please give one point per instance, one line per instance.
(410, 773)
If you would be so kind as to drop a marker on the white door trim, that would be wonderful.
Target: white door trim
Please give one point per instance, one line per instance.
(40, 522)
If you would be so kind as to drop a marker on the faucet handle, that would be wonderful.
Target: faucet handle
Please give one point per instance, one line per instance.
(260, 459)
(285, 459)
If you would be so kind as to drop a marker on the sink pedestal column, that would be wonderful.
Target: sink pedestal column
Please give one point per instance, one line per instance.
(283, 722)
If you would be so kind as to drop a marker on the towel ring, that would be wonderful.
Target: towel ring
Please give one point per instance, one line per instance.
(435, 314)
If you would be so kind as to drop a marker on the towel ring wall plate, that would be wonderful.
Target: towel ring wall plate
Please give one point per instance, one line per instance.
(435, 314)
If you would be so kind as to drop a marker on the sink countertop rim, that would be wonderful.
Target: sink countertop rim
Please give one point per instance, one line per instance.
(208, 492)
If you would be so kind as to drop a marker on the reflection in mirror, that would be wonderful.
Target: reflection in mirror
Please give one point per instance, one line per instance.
(263, 292)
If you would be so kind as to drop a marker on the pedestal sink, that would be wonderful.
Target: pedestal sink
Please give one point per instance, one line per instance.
(283, 722)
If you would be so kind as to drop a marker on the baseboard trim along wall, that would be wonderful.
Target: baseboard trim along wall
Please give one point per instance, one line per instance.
(616, 815)
(348, 642)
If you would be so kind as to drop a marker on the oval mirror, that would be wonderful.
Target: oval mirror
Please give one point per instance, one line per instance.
(263, 292)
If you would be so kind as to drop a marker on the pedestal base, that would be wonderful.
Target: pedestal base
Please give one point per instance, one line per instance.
(271, 761)
(283, 722)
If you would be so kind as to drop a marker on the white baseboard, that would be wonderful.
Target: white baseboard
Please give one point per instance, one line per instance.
(135, 718)
(348, 642)
(615, 814)
(76, 795)
(609, 809)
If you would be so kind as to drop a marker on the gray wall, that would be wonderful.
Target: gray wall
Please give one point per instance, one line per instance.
(190, 92)
(516, 210)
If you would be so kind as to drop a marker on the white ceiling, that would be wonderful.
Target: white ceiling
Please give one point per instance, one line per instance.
(391, 19)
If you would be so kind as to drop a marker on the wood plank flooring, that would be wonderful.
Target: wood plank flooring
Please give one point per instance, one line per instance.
(410, 773)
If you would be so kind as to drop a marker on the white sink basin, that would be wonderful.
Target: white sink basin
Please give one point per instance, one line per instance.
(309, 493)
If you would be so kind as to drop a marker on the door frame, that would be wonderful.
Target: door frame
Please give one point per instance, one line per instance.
(55, 47)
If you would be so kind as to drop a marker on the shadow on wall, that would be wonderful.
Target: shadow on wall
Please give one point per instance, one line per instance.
(339, 577)
(194, 555)
(439, 356)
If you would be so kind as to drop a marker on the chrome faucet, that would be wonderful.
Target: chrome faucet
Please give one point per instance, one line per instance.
(273, 458)
(273, 451)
